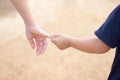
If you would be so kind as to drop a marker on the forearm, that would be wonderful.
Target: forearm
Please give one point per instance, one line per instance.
(89, 45)
(23, 8)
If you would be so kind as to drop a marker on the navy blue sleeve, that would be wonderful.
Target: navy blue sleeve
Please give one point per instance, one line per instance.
(109, 32)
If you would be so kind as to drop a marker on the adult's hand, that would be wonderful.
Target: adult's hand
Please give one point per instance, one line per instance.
(37, 38)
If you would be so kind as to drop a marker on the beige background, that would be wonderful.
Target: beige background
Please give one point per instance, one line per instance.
(78, 18)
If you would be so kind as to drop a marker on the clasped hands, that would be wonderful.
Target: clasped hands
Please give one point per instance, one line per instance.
(37, 39)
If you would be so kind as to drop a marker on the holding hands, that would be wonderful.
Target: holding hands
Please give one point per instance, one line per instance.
(35, 35)
(37, 39)
(61, 41)
(90, 45)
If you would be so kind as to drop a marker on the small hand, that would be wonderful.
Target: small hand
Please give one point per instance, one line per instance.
(61, 41)
(37, 38)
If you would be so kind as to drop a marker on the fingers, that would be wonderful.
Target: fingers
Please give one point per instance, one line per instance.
(54, 40)
(38, 47)
(44, 46)
(41, 46)
(54, 37)
(36, 37)
(47, 35)
(43, 33)
(32, 44)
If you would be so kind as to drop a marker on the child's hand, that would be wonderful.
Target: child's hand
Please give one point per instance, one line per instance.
(61, 41)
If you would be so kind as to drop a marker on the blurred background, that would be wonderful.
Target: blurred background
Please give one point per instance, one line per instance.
(78, 18)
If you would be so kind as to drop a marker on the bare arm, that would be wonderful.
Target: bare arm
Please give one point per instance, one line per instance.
(23, 8)
(90, 45)
(35, 35)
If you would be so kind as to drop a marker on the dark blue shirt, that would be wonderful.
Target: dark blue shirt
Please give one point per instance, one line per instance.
(109, 33)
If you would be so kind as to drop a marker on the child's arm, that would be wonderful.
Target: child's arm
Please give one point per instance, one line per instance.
(90, 45)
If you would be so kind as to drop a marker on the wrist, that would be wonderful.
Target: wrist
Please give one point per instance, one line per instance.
(29, 21)
(30, 25)
(33, 27)
(69, 41)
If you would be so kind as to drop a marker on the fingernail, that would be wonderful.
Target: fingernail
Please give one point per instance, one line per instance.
(52, 40)
(32, 47)
(38, 53)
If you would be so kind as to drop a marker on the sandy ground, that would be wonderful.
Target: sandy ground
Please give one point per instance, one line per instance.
(78, 18)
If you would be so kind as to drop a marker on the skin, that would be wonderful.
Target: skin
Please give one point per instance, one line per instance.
(35, 35)
(90, 45)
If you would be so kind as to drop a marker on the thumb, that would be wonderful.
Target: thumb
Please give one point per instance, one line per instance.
(52, 39)
(48, 36)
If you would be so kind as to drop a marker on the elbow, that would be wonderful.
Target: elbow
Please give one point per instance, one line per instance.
(103, 50)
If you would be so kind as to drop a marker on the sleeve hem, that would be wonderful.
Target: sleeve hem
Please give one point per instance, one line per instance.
(104, 39)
